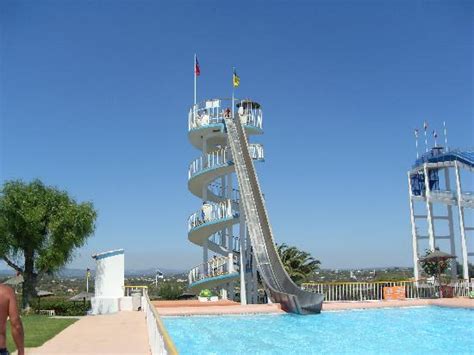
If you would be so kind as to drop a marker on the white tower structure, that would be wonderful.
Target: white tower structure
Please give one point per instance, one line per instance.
(436, 203)
(109, 281)
(218, 227)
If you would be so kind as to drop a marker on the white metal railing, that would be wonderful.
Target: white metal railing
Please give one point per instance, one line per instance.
(444, 194)
(215, 266)
(158, 338)
(220, 239)
(216, 189)
(367, 291)
(211, 211)
(219, 158)
(129, 290)
(467, 197)
(214, 111)
(463, 288)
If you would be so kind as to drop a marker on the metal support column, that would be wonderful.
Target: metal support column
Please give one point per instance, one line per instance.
(416, 272)
(243, 259)
(229, 236)
(465, 263)
(205, 250)
(454, 272)
(429, 210)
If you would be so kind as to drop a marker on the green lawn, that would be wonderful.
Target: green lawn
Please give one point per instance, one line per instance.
(39, 329)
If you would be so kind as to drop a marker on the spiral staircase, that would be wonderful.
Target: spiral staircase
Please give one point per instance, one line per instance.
(217, 227)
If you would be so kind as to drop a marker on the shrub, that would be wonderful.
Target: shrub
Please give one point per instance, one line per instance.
(205, 293)
(170, 291)
(63, 307)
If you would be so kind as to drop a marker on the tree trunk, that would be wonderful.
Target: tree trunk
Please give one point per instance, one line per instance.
(30, 279)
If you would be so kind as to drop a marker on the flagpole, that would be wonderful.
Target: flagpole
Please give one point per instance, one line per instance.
(416, 143)
(195, 80)
(445, 136)
(87, 280)
(425, 126)
(233, 91)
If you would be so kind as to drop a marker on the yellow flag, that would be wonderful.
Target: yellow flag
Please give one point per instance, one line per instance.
(235, 79)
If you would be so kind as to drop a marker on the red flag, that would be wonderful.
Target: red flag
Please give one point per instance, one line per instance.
(197, 70)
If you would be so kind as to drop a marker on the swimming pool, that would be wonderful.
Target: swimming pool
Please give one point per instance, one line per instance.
(402, 330)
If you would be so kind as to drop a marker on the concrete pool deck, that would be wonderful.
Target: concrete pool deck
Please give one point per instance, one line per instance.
(194, 307)
(460, 302)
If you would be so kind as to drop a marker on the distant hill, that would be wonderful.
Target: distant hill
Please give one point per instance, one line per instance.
(128, 273)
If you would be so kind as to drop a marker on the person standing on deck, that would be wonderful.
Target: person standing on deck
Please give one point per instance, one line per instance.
(9, 309)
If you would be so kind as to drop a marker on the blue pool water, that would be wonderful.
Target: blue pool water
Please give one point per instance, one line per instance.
(403, 330)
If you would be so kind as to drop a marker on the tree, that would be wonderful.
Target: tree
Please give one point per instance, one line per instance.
(470, 268)
(434, 268)
(299, 264)
(170, 290)
(40, 227)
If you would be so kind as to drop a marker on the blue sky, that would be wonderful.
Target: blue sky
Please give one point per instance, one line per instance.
(95, 94)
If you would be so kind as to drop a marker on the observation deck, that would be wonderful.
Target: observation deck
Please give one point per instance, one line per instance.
(206, 119)
(441, 157)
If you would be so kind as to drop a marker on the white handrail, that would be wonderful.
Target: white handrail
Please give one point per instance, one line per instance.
(215, 266)
(210, 212)
(214, 111)
(365, 291)
(158, 338)
(219, 158)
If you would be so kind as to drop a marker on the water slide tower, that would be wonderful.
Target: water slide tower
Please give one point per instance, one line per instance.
(218, 226)
(439, 205)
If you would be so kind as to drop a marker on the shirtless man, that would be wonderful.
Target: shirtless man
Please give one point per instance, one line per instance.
(9, 309)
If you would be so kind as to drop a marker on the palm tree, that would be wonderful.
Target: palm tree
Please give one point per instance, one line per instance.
(299, 264)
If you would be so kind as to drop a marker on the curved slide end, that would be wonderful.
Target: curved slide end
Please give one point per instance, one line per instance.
(303, 303)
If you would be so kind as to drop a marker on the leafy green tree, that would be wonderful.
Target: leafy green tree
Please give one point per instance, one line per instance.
(299, 264)
(470, 268)
(40, 227)
(434, 268)
(170, 290)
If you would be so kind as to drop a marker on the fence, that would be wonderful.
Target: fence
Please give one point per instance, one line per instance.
(371, 291)
(214, 267)
(210, 212)
(219, 158)
(214, 112)
(128, 290)
(158, 337)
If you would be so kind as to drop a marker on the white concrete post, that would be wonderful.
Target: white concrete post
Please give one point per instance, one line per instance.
(465, 270)
(254, 280)
(454, 272)
(205, 252)
(429, 210)
(242, 238)
(414, 236)
(230, 229)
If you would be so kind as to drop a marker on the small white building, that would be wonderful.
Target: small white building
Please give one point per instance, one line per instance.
(109, 281)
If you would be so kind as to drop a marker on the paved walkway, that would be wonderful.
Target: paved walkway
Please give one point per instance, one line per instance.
(119, 333)
(444, 302)
(218, 309)
(193, 303)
